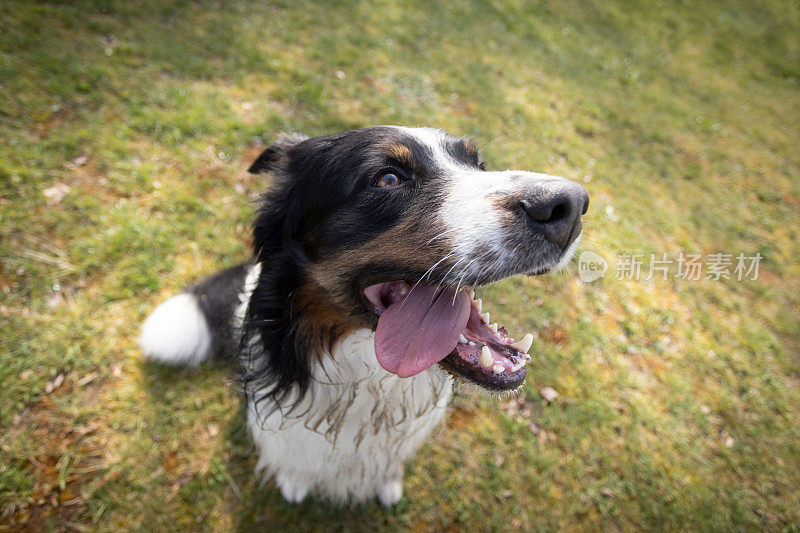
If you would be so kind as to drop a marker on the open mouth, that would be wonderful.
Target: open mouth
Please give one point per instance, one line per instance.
(421, 325)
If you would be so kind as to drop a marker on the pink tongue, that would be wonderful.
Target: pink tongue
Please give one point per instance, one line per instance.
(420, 331)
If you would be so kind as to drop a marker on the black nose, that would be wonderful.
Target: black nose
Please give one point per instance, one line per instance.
(555, 207)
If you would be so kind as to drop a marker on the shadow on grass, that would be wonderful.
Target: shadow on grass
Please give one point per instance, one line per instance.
(254, 503)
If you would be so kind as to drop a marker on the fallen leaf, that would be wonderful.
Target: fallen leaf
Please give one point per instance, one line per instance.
(85, 430)
(170, 462)
(88, 378)
(548, 393)
(79, 161)
(56, 193)
(556, 335)
(46, 402)
(54, 384)
(66, 495)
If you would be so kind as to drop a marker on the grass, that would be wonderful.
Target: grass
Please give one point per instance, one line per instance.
(127, 128)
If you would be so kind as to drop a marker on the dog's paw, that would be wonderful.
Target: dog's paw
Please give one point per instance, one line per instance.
(390, 491)
(292, 491)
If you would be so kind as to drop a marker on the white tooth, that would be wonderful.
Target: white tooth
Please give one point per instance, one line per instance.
(485, 317)
(462, 339)
(471, 343)
(486, 357)
(470, 292)
(403, 290)
(517, 366)
(525, 344)
(479, 305)
(498, 369)
(493, 327)
(526, 356)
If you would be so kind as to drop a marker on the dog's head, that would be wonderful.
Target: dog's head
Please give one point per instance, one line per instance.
(391, 228)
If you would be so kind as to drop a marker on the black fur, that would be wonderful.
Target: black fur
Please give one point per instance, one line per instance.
(278, 362)
(330, 179)
(217, 297)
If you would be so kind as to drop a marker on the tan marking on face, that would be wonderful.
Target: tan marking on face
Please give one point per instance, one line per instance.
(470, 147)
(401, 153)
(506, 205)
(321, 322)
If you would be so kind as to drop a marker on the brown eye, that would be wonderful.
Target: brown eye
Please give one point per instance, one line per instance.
(388, 180)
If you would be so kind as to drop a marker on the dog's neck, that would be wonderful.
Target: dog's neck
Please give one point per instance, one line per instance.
(348, 387)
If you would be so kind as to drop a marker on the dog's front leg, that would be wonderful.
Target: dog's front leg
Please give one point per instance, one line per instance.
(390, 489)
(294, 490)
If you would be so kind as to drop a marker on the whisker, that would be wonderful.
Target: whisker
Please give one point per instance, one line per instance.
(423, 277)
(436, 237)
(464, 272)
(448, 273)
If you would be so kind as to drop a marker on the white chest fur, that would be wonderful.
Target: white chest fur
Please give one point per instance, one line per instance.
(357, 425)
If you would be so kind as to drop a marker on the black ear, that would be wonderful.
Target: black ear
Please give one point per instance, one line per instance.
(266, 161)
(271, 157)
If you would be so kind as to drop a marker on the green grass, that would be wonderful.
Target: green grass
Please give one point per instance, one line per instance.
(679, 402)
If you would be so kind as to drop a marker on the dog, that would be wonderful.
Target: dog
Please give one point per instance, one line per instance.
(357, 310)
